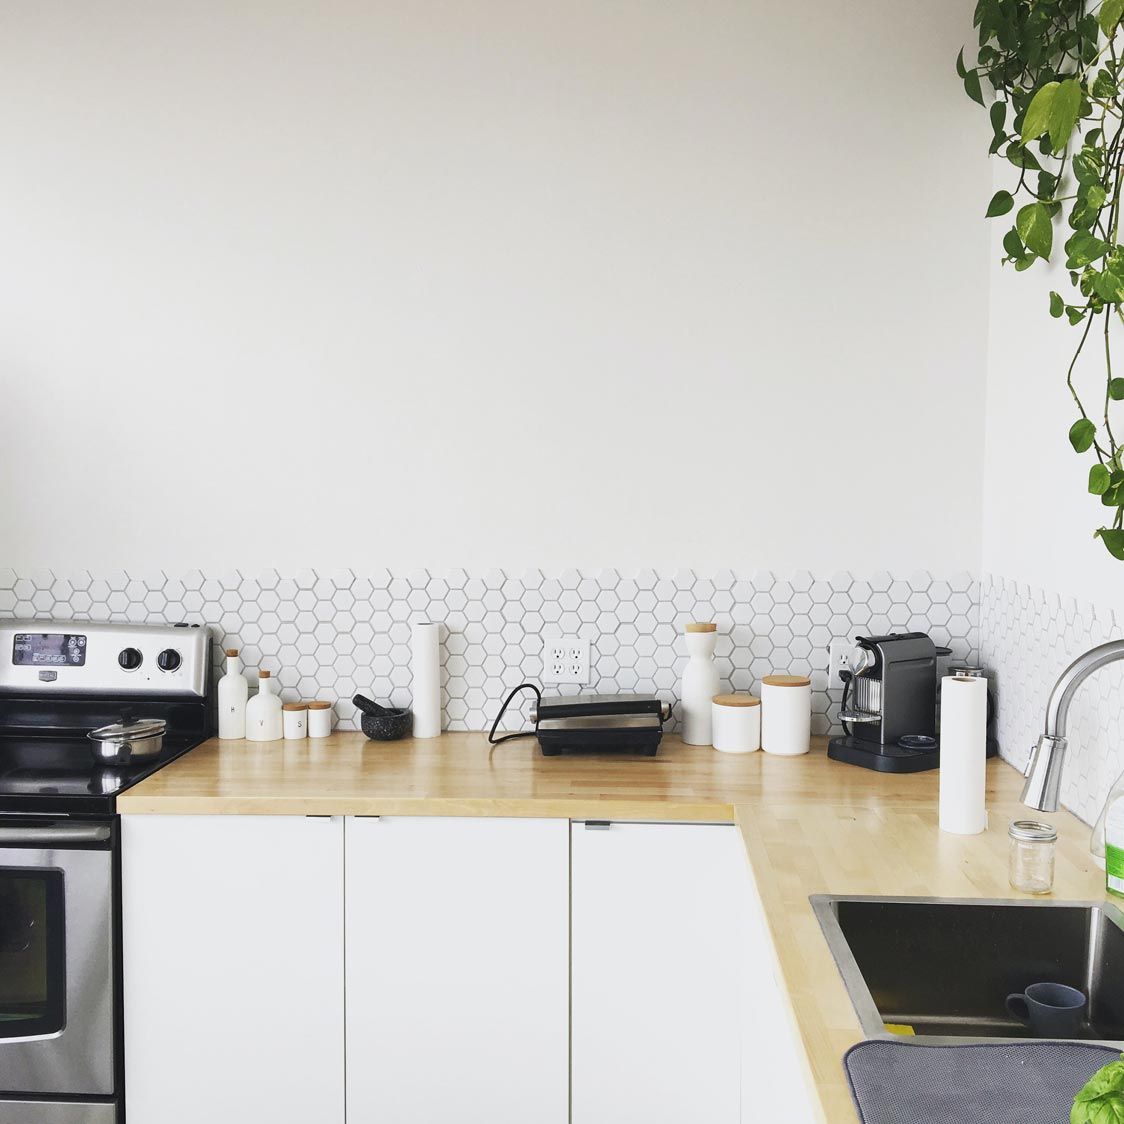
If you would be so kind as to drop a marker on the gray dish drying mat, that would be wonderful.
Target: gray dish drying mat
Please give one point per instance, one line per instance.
(989, 1083)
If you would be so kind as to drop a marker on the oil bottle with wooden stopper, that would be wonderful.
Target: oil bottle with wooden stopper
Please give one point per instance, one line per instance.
(263, 712)
(233, 690)
(700, 682)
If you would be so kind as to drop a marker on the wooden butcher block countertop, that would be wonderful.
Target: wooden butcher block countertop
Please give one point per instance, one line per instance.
(810, 825)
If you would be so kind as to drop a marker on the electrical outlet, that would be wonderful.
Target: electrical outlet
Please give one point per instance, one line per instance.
(565, 659)
(838, 651)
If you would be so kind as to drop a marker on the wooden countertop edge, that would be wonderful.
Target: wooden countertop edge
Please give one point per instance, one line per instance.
(566, 808)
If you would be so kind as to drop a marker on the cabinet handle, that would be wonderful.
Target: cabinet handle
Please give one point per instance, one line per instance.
(597, 825)
(366, 817)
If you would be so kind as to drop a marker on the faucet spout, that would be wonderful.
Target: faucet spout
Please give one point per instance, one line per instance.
(1047, 759)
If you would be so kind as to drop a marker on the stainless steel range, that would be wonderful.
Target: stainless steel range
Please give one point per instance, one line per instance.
(60, 961)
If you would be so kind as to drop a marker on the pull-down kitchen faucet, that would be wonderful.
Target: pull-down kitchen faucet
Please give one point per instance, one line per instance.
(1044, 769)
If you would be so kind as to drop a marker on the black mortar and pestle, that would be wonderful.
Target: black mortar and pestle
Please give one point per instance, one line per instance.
(383, 723)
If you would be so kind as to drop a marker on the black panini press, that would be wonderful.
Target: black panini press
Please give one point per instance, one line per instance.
(600, 724)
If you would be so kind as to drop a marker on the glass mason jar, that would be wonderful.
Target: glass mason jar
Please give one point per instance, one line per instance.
(1031, 856)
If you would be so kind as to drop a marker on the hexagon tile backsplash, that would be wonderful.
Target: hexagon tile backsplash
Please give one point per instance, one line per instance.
(1028, 638)
(331, 633)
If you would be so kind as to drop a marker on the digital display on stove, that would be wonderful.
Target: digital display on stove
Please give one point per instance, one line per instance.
(49, 649)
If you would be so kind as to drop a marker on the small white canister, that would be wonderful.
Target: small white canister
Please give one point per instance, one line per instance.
(319, 719)
(736, 723)
(786, 714)
(294, 716)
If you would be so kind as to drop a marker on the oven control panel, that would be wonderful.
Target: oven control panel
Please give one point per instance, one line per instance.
(45, 656)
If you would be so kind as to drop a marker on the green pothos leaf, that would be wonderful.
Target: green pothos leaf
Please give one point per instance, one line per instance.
(1081, 435)
(1109, 16)
(1084, 248)
(1035, 229)
(1064, 110)
(972, 87)
(1116, 389)
(1099, 479)
(1001, 203)
(1057, 305)
(1036, 120)
(1108, 1108)
(961, 69)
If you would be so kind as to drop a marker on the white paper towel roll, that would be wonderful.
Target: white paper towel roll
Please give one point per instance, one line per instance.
(963, 754)
(425, 640)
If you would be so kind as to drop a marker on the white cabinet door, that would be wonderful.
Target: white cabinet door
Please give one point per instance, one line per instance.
(457, 964)
(656, 970)
(233, 969)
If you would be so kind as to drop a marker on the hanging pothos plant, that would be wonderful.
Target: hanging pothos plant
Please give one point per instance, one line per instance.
(1054, 68)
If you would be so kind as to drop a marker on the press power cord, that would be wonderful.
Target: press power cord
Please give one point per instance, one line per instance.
(492, 739)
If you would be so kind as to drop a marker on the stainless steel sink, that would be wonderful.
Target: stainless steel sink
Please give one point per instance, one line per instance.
(945, 967)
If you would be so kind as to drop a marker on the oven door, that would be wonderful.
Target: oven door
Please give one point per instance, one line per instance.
(57, 1030)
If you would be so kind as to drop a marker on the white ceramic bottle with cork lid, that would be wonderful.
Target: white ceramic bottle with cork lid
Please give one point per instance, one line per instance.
(233, 691)
(263, 712)
(786, 714)
(700, 682)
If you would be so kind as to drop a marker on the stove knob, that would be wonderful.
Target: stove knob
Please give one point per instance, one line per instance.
(130, 659)
(169, 659)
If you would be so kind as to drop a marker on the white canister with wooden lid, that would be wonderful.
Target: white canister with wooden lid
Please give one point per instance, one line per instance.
(736, 723)
(294, 717)
(786, 714)
(319, 718)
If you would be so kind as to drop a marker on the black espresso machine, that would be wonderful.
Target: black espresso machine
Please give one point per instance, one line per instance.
(889, 708)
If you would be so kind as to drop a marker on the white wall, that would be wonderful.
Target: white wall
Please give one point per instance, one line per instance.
(1038, 516)
(490, 281)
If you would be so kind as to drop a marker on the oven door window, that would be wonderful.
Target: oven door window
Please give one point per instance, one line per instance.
(32, 953)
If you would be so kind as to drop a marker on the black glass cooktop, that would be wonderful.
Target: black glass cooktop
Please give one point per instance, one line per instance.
(52, 775)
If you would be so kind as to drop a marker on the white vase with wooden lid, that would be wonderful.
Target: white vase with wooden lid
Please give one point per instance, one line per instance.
(700, 682)
(786, 714)
(736, 723)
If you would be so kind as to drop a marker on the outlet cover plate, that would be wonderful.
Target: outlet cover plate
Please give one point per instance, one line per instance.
(565, 659)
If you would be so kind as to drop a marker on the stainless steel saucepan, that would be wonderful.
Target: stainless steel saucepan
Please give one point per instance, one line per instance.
(125, 742)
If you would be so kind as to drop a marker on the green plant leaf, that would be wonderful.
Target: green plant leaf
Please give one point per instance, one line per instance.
(1104, 85)
(1035, 229)
(1099, 479)
(1109, 286)
(1087, 165)
(1057, 305)
(1116, 389)
(961, 69)
(1081, 435)
(1101, 1101)
(1036, 120)
(1001, 203)
(1083, 248)
(998, 115)
(1109, 16)
(1106, 1108)
(1074, 315)
(1013, 244)
(972, 87)
(1065, 106)
(1022, 157)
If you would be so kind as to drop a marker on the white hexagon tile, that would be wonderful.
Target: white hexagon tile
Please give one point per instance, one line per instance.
(331, 633)
(1028, 638)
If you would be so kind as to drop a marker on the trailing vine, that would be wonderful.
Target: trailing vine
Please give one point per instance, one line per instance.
(1051, 70)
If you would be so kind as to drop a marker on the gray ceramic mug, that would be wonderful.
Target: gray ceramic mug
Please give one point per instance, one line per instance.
(1051, 1010)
